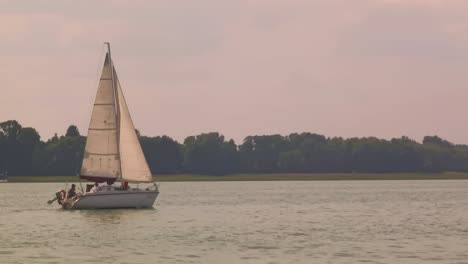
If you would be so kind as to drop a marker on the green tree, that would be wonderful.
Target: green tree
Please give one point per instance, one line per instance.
(163, 154)
(210, 154)
(291, 161)
(28, 138)
(61, 156)
(11, 151)
(17, 148)
(10, 129)
(72, 131)
(260, 153)
(22, 152)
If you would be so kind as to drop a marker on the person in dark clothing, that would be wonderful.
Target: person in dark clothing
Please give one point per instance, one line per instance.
(71, 192)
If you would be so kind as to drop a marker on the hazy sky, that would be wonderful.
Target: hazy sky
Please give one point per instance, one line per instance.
(340, 68)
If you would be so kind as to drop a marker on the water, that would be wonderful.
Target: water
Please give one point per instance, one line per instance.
(245, 222)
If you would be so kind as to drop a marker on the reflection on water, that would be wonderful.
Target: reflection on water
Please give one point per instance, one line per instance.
(111, 216)
(245, 222)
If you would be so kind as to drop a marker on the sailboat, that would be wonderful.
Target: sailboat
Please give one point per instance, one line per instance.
(112, 153)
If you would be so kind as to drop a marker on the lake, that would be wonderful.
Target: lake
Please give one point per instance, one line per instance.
(245, 222)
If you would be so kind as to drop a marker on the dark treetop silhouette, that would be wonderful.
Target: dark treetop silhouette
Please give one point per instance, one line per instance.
(23, 153)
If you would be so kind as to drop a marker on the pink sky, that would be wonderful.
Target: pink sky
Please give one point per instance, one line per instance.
(382, 68)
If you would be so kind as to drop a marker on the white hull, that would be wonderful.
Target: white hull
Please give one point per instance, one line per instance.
(114, 199)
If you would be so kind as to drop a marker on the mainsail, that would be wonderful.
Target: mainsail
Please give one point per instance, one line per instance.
(101, 157)
(112, 151)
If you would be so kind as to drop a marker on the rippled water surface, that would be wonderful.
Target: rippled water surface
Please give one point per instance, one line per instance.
(245, 222)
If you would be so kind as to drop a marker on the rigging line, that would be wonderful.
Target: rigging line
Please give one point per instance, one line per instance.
(100, 63)
(81, 185)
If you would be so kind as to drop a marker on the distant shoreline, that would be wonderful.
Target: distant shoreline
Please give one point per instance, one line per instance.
(270, 177)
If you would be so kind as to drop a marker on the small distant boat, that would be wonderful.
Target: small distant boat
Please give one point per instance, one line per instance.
(3, 177)
(112, 153)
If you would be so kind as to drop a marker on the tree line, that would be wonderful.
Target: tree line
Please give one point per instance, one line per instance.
(22, 152)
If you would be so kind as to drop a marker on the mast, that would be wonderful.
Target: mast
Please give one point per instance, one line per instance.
(116, 108)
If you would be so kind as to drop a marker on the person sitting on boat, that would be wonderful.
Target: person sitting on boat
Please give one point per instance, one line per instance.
(108, 187)
(71, 192)
(96, 188)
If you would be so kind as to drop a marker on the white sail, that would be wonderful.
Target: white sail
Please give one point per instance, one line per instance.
(133, 163)
(101, 159)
